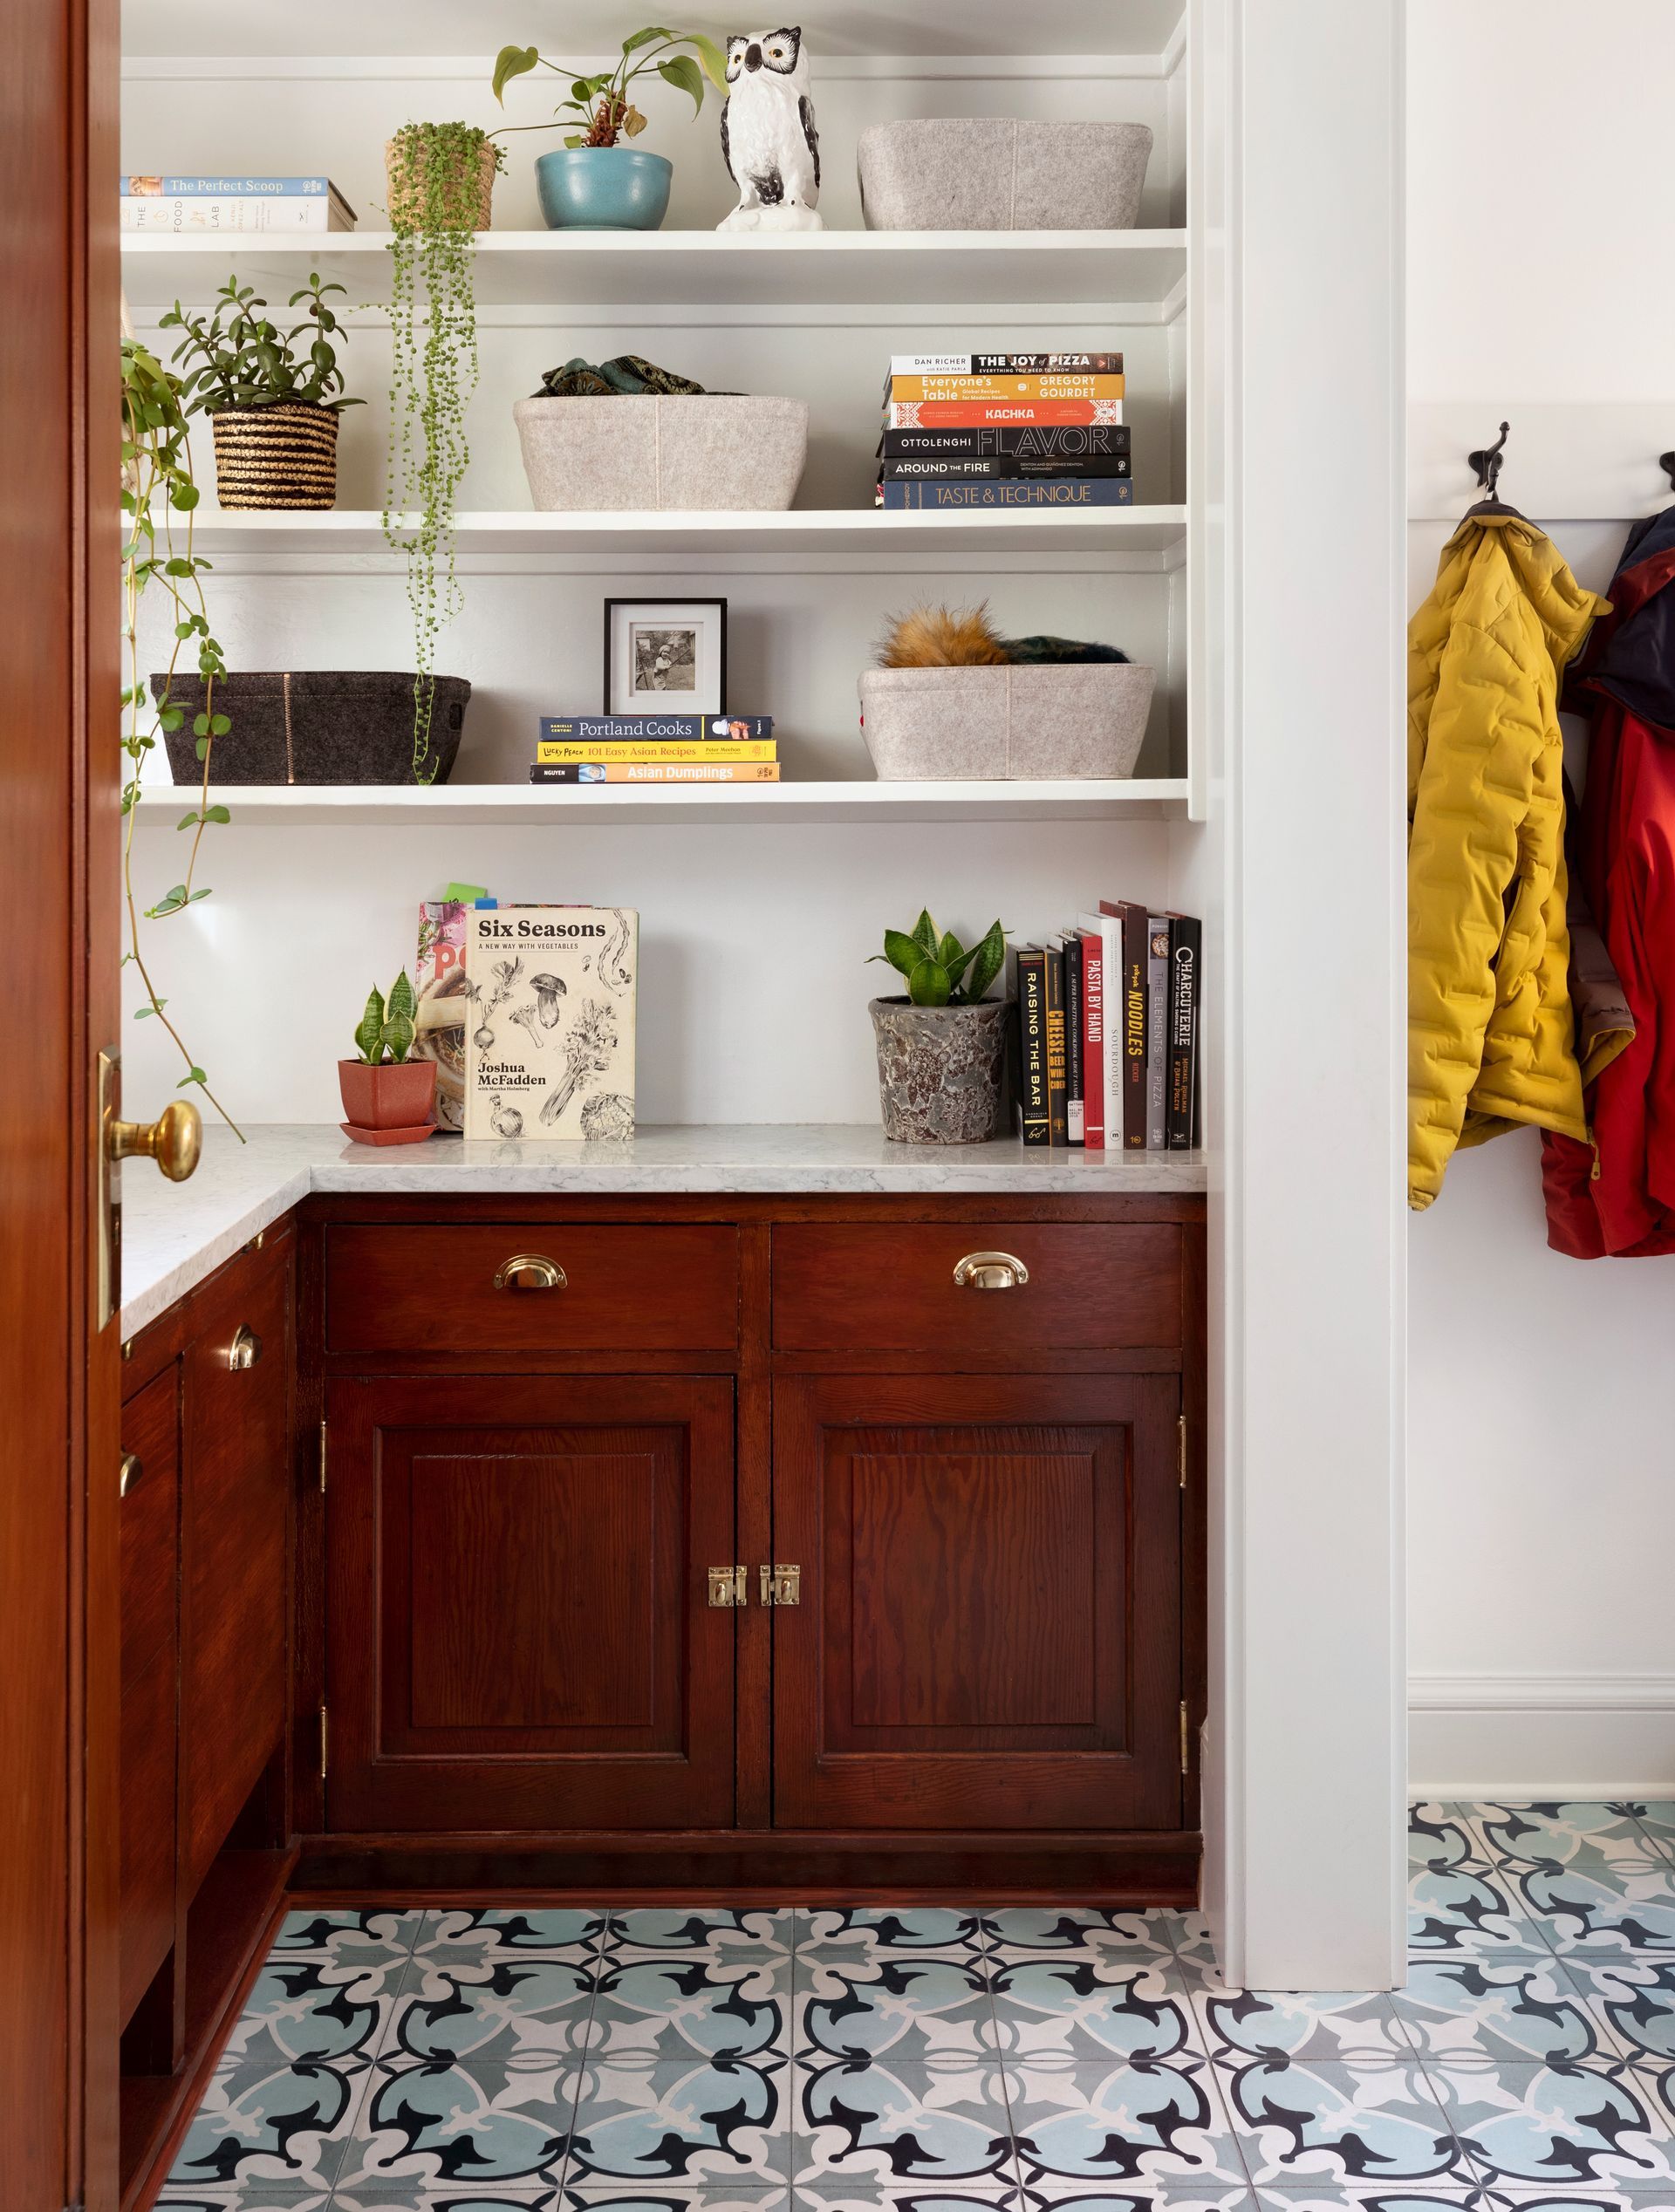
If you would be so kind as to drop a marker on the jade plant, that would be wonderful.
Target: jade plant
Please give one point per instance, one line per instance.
(385, 1032)
(159, 498)
(600, 109)
(244, 360)
(436, 177)
(941, 971)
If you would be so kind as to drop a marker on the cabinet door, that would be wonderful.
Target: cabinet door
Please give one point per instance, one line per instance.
(150, 1674)
(989, 1633)
(518, 1624)
(233, 1547)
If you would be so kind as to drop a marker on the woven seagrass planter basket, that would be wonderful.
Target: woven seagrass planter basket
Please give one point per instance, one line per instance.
(285, 455)
(404, 177)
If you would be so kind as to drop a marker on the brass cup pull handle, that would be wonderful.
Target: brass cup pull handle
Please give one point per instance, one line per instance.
(245, 1349)
(173, 1140)
(529, 1270)
(990, 1270)
(132, 1468)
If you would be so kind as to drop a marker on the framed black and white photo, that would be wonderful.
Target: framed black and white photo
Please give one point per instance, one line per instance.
(665, 656)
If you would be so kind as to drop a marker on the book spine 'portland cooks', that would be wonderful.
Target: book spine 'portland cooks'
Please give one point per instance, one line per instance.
(550, 1035)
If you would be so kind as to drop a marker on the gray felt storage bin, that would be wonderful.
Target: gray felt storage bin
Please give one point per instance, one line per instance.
(315, 726)
(972, 173)
(1073, 719)
(699, 454)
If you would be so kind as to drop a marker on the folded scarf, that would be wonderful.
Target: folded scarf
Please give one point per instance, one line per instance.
(629, 374)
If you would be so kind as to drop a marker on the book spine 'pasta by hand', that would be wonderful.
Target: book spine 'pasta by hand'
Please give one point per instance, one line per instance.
(1074, 1123)
(1093, 1039)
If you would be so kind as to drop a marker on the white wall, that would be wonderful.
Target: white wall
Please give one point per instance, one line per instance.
(1541, 1476)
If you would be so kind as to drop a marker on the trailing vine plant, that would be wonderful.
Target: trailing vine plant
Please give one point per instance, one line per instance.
(157, 485)
(437, 199)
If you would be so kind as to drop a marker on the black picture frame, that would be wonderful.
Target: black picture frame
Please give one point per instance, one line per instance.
(648, 607)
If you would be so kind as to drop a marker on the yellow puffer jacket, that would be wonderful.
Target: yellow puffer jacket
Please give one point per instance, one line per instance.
(1489, 1041)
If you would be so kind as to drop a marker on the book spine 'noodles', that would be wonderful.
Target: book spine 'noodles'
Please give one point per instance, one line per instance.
(1157, 1033)
(982, 414)
(1058, 1098)
(1025, 441)
(989, 467)
(1186, 950)
(1006, 364)
(1075, 1121)
(685, 729)
(1031, 1103)
(1133, 922)
(1093, 1040)
(1019, 492)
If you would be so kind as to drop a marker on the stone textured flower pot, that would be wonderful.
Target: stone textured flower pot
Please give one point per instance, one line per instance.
(398, 1096)
(314, 725)
(977, 174)
(281, 456)
(706, 453)
(941, 1070)
(1067, 720)
(603, 187)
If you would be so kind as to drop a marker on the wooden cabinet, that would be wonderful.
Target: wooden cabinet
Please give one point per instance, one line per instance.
(517, 1631)
(150, 1520)
(989, 1631)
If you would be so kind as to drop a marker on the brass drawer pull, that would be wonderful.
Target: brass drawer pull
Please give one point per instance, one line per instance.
(245, 1351)
(529, 1270)
(129, 1473)
(991, 1271)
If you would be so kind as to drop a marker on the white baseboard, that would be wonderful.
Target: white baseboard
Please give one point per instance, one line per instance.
(1523, 1737)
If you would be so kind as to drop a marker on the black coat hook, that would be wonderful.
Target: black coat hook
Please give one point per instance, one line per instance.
(1484, 464)
(1666, 462)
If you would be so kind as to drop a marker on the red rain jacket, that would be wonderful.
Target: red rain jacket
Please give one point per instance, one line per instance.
(1624, 1203)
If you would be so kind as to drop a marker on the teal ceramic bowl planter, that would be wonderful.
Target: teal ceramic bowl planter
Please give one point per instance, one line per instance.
(603, 187)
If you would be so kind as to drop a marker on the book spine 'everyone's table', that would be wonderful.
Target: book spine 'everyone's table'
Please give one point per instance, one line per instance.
(1024, 389)
(1019, 491)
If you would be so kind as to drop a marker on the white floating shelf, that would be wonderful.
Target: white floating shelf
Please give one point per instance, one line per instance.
(544, 806)
(907, 269)
(1107, 529)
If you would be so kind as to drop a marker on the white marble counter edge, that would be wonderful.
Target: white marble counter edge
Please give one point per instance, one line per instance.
(176, 1263)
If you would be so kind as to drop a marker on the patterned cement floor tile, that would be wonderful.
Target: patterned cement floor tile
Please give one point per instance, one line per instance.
(1458, 1899)
(1088, 2011)
(1122, 2125)
(1588, 1874)
(871, 2122)
(1507, 2011)
(436, 2124)
(1580, 2126)
(864, 2002)
(704, 2121)
(496, 2008)
(1312, 2122)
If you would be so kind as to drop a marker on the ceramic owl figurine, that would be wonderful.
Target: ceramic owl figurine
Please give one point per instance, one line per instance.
(769, 141)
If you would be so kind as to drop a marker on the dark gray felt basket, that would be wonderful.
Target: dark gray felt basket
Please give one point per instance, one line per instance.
(316, 725)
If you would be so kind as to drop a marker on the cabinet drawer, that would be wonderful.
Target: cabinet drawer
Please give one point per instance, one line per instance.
(617, 1288)
(1092, 1286)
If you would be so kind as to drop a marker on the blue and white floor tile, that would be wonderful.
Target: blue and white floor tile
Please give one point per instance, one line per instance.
(927, 2059)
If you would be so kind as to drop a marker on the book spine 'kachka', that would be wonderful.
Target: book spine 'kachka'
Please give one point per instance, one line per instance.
(1186, 949)
(1044, 441)
(1017, 491)
(1093, 1039)
(1058, 1098)
(1075, 1094)
(1157, 1033)
(1030, 1105)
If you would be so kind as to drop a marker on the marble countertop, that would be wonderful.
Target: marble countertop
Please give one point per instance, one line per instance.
(174, 1234)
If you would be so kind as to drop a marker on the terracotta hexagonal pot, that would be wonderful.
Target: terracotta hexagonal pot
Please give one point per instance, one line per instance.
(399, 1095)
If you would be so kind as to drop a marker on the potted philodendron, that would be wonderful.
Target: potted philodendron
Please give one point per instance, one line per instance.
(272, 405)
(596, 183)
(942, 1046)
(386, 1094)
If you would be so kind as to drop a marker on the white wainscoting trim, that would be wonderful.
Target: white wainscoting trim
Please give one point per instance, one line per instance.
(1517, 1737)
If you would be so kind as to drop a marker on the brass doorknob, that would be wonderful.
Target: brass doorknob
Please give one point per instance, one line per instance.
(173, 1140)
(990, 1270)
(529, 1270)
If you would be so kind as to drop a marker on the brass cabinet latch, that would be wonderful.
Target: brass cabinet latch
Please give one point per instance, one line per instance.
(781, 1585)
(1186, 1740)
(728, 1586)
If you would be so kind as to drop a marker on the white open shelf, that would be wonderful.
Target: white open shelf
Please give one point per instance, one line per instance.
(1155, 529)
(542, 805)
(1118, 268)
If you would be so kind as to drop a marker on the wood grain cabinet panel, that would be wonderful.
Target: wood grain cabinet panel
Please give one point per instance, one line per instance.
(235, 1585)
(988, 1636)
(150, 1544)
(518, 1631)
(865, 1286)
(430, 1287)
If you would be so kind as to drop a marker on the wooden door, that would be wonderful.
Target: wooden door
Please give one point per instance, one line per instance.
(518, 1636)
(988, 1636)
(59, 781)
